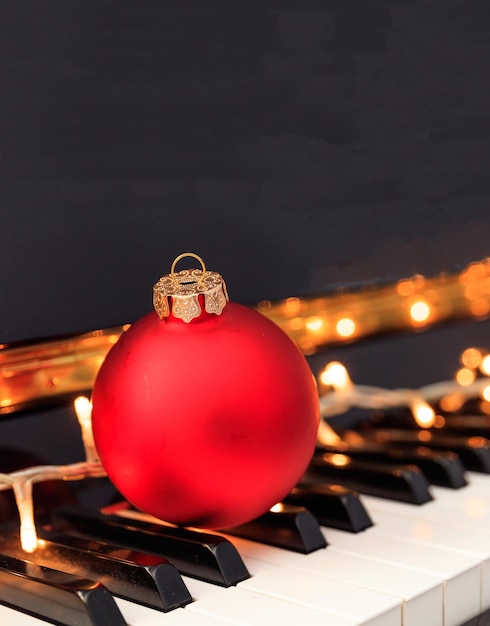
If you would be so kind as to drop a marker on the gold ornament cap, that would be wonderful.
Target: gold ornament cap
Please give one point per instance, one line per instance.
(184, 288)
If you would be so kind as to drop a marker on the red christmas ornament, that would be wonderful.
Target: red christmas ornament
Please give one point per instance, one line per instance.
(204, 417)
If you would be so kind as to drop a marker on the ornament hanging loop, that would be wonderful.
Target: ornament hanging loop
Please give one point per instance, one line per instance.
(183, 256)
(179, 292)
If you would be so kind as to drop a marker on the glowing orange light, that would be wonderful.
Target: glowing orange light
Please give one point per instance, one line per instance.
(486, 393)
(28, 538)
(277, 508)
(424, 414)
(485, 285)
(485, 407)
(314, 323)
(471, 357)
(83, 410)
(439, 422)
(485, 365)
(405, 287)
(452, 402)
(465, 376)
(293, 305)
(472, 291)
(297, 323)
(420, 311)
(306, 345)
(345, 327)
(480, 307)
(23, 498)
(339, 460)
(477, 442)
(335, 374)
(326, 434)
(424, 435)
(474, 272)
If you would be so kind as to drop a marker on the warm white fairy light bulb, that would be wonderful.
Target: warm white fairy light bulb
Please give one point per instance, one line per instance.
(23, 498)
(485, 365)
(423, 413)
(345, 327)
(420, 311)
(486, 393)
(83, 410)
(335, 375)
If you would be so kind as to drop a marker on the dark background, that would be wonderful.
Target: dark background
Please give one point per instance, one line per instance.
(294, 145)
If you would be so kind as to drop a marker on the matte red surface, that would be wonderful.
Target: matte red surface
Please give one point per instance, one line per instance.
(208, 423)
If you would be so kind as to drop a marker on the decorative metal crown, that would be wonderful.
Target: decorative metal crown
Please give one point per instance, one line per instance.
(184, 288)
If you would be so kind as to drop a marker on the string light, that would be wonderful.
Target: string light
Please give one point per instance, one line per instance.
(345, 327)
(21, 481)
(59, 367)
(471, 357)
(83, 410)
(485, 365)
(486, 393)
(410, 303)
(465, 376)
(420, 311)
(336, 375)
(346, 395)
(342, 394)
(423, 413)
(339, 395)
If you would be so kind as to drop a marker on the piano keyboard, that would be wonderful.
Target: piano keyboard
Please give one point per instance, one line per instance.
(416, 565)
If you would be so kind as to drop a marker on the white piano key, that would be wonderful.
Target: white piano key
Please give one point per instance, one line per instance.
(469, 511)
(138, 615)
(439, 534)
(324, 594)
(462, 572)
(478, 479)
(472, 510)
(417, 580)
(249, 608)
(422, 595)
(217, 605)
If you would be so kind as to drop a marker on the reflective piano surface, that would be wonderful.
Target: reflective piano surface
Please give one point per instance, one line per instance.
(426, 564)
(418, 564)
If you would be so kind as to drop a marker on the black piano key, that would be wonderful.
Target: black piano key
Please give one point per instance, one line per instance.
(289, 527)
(441, 468)
(404, 483)
(474, 452)
(137, 576)
(55, 596)
(466, 426)
(401, 419)
(201, 555)
(332, 505)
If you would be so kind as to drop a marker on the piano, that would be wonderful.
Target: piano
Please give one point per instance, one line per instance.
(382, 540)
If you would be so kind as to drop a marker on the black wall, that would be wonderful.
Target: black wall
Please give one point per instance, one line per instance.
(292, 144)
